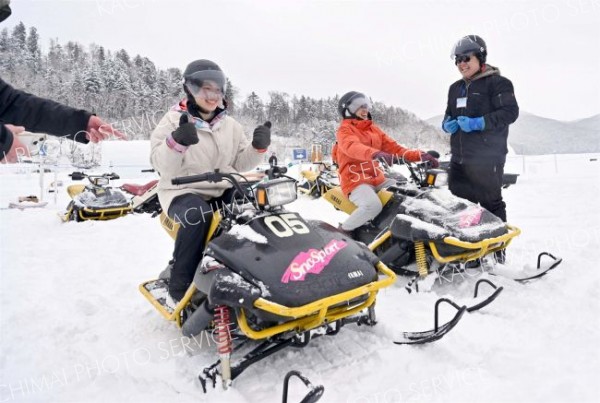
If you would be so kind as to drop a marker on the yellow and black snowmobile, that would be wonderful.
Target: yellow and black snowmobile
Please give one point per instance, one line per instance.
(96, 200)
(424, 229)
(271, 276)
(315, 183)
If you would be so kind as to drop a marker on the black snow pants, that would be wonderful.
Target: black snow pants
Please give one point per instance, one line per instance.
(194, 214)
(480, 183)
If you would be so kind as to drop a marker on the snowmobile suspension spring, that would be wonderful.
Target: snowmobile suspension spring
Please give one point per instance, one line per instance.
(421, 258)
(224, 343)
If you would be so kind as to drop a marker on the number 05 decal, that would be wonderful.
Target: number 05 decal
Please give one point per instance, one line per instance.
(285, 225)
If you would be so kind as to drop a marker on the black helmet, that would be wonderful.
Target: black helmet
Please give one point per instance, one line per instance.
(350, 102)
(470, 44)
(202, 70)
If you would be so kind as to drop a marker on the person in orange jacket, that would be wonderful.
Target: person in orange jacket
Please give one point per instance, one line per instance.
(360, 144)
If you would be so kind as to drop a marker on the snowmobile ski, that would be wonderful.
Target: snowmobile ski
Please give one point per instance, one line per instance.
(314, 392)
(438, 331)
(540, 271)
(414, 285)
(25, 204)
(488, 300)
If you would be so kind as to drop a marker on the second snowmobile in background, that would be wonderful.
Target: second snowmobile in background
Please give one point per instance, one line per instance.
(424, 229)
(97, 200)
(315, 183)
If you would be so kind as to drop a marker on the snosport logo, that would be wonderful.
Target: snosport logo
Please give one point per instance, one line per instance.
(470, 217)
(312, 261)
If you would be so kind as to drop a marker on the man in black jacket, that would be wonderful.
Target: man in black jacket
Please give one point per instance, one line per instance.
(43, 115)
(480, 108)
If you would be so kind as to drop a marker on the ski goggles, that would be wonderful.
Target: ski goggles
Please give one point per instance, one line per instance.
(360, 101)
(207, 84)
(208, 93)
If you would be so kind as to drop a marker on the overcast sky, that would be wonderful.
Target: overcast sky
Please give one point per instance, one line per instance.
(397, 52)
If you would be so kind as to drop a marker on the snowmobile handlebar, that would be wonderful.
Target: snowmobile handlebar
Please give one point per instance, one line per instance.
(275, 172)
(205, 177)
(215, 176)
(77, 176)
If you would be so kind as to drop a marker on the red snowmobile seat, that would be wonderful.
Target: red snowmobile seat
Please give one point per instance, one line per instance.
(138, 190)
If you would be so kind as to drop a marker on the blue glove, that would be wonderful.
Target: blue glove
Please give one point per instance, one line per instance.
(449, 126)
(471, 124)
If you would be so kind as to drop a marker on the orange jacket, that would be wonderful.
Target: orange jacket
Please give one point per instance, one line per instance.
(357, 141)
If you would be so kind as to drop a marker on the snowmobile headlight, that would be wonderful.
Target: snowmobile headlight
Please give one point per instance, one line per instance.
(275, 193)
(437, 177)
(100, 181)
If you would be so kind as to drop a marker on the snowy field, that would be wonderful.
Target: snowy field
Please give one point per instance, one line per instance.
(75, 328)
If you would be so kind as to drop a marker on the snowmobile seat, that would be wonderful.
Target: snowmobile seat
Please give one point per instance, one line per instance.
(138, 190)
(310, 175)
(452, 226)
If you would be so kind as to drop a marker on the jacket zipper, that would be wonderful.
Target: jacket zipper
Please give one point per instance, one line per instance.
(466, 95)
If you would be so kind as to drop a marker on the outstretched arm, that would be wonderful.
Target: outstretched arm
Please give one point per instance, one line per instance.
(46, 116)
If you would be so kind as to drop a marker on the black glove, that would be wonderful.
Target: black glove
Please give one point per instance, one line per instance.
(433, 162)
(186, 133)
(261, 139)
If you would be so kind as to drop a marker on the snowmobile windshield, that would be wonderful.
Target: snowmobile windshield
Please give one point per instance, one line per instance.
(466, 46)
(361, 101)
(206, 82)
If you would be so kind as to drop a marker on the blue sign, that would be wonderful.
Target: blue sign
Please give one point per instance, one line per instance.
(300, 154)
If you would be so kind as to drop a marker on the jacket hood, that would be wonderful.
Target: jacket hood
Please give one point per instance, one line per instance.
(361, 124)
(486, 71)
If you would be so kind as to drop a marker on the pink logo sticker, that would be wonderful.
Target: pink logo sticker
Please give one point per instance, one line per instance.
(470, 217)
(312, 261)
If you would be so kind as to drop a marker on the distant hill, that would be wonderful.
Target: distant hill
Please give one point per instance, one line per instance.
(534, 135)
(591, 123)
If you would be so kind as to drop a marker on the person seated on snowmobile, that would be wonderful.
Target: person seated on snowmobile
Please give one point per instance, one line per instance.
(194, 137)
(273, 160)
(360, 143)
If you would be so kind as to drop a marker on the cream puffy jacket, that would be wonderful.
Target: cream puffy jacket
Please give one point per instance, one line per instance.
(224, 147)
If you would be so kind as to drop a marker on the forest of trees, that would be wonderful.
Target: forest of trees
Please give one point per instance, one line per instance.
(133, 93)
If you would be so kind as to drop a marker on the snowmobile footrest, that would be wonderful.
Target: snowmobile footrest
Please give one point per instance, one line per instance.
(488, 300)
(542, 271)
(439, 331)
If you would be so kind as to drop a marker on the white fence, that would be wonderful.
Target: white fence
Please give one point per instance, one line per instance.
(551, 164)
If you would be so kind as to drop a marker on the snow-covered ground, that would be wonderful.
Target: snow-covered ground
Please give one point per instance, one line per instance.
(74, 327)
